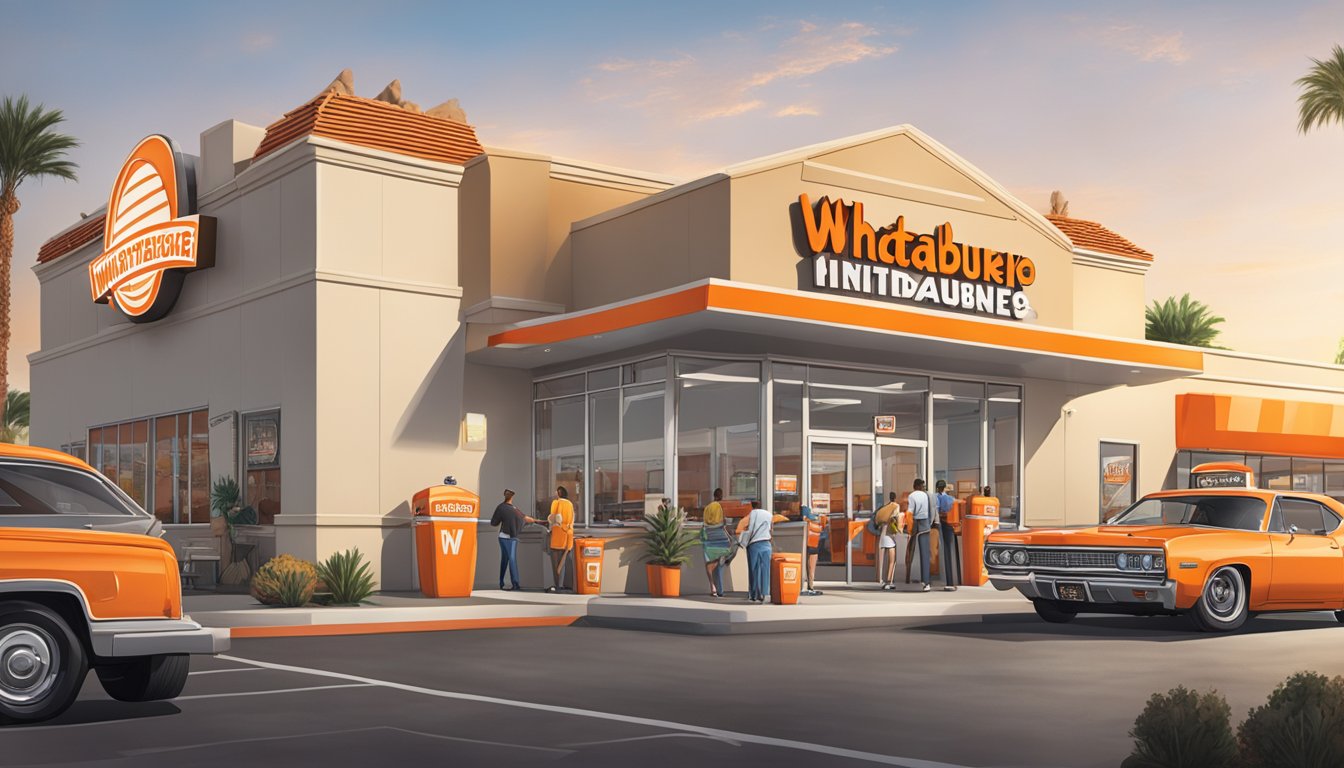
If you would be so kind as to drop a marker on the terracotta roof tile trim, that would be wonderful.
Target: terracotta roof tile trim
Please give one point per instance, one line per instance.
(86, 232)
(1094, 237)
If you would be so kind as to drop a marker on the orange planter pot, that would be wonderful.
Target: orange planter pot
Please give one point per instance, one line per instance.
(664, 581)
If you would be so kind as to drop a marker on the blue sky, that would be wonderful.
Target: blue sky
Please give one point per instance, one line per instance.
(1174, 124)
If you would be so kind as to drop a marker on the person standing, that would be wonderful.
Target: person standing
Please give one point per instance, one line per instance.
(816, 525)
(715, 543)
(947, 535)
(884, 520)
(756, 538)
(510, 521)
(921, 513)
(561, 520)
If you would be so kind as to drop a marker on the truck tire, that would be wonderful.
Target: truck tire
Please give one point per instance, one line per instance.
(42, 663)
(1223, 604)
(146, 678)
(1053, 612)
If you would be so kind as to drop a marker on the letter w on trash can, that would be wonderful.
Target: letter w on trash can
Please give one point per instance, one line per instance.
(451, 540)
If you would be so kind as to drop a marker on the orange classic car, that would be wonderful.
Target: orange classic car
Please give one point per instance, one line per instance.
(75, 599)
(1218, 552)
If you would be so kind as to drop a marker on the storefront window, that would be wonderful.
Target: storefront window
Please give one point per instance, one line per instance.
(604, 434)
(1119, 478)
(559, 447)
(565, 385)
(1276, 472)
(1309, 475)
(1004, 429)
(642, 461)
(645, 371)
(847, 401)
(165, 468)
(788, 436)
(1334, 480)
(163, 463)
(718, 434)
(956, 436)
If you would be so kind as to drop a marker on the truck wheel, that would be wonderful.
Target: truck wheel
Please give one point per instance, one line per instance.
(42, 663)
(146, 678)
(1222, 605)
(1053, 612)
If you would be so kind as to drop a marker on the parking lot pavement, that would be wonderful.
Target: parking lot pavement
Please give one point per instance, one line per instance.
(1038, 694)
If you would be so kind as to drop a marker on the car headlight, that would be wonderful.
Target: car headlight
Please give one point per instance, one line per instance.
(1147, 562)
(992, 556)
(1020, 557)
(1121, 561)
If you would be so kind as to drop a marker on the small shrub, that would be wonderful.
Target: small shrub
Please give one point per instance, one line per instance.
(347, 577)
(285, 580)
(1301, 725)
(1183, 729)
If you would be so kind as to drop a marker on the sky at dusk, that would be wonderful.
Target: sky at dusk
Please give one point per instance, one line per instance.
(1173, 124)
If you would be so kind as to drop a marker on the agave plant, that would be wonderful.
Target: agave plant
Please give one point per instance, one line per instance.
(1186, 322)
(667, 542)
(347, 577)
(225, 502)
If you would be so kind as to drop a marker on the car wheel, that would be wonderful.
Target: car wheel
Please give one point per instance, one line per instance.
(42, 663)
(1222, 605)
(146, 678)
(1053, 612)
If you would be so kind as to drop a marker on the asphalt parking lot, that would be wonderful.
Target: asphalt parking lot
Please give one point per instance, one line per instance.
(1010, 691)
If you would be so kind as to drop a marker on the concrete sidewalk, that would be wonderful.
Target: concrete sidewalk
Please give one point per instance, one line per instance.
(840, 607)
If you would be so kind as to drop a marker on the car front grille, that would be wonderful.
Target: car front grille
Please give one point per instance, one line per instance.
(1071, 559)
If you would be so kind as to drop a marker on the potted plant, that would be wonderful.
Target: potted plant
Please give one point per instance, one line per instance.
(227, 512)
(667, 546)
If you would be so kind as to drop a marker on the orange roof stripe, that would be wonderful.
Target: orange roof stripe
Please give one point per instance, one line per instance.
(745, 300)
(1095, 237)
(1239, 424)
(84, 233)
(374, 124)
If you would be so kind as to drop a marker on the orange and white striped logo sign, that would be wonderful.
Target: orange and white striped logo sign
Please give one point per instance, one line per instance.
(152, 236)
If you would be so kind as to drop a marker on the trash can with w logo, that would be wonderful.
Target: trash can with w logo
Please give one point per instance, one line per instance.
(588, 566)
(445, 539)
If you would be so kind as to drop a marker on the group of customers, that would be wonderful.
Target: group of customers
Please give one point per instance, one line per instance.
(925, 511)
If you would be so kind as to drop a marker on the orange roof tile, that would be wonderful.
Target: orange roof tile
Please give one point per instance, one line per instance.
(374, 124)
(86, 232)
(1094, 237)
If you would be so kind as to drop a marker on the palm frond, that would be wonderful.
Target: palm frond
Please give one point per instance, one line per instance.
(1322, 99)
(29, 145)
(1188, 322)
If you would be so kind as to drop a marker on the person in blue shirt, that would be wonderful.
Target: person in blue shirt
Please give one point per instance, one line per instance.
(951, 557)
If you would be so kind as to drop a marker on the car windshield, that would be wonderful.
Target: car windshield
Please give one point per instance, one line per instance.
(1242, 513)
(31, 489)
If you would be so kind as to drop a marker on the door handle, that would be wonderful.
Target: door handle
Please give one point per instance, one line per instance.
(89, 526)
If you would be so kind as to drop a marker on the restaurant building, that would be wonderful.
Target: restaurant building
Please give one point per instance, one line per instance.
(344, 307)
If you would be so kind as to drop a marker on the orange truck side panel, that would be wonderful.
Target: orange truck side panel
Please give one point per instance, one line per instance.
(122, 576)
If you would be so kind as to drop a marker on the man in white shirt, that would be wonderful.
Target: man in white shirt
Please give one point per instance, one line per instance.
(756, 538)
(920, 507)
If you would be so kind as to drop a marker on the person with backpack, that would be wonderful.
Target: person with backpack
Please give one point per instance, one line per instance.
(923, 513)
(884, 521)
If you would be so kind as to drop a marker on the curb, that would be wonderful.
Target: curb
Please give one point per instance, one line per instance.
(397, 627)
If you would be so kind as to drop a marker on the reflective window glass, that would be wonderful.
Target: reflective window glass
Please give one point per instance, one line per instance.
(718, 434)
(565, 385)
(645, 371)
(559, 452)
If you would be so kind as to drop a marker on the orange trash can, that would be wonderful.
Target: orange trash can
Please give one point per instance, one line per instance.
(445, 539)
(975, 528)
(588, 566)
(786, 578)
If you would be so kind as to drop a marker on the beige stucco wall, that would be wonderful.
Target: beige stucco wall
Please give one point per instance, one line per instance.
(1108, 301)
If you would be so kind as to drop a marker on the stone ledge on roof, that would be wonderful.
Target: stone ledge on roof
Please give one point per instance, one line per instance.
(1090, 235)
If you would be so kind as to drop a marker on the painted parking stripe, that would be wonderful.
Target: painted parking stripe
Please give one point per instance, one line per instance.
(719, 733)
(344, 731)
(222, 671)
(268, 693)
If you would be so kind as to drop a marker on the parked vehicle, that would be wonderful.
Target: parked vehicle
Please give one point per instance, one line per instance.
(1219, 554)
(71, 600)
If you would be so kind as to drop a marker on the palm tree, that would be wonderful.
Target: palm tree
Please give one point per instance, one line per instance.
(1339, 353)
(1322, 99)
(1186, 322)
(14, 427)
(29, 148)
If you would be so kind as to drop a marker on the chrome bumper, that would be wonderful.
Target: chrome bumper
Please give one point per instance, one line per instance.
(1104, 591)
(151, 637)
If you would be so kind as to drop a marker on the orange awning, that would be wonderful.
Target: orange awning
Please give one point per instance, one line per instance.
(1238, 424)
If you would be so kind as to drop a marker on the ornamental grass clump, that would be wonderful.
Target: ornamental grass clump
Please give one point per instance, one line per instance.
(347, 577)
(1184, 729)
(285, 580)
(1301, 725)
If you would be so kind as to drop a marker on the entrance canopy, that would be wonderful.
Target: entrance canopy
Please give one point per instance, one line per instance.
(831, 327)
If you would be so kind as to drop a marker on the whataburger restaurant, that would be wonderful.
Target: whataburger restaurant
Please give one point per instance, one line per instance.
(345, 306)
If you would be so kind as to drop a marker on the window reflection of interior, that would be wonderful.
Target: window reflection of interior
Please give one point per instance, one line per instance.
(1242, 513)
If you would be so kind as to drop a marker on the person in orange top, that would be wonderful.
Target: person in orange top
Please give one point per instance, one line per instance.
(562, 536)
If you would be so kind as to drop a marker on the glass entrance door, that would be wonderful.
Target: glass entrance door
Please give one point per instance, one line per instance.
(847, 481)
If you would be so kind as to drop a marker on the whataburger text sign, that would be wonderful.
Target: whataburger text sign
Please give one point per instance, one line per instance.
(850, 256)
(152, 235)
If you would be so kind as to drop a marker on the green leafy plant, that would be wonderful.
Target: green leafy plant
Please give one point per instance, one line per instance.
(1188, 322)
(1321, 101)
(225, 502)
(667, 542)
(1183, 729)
(1301, 725)
(347, 577)
(285, 580)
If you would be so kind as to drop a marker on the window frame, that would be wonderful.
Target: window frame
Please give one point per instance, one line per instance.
(1101, 473)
